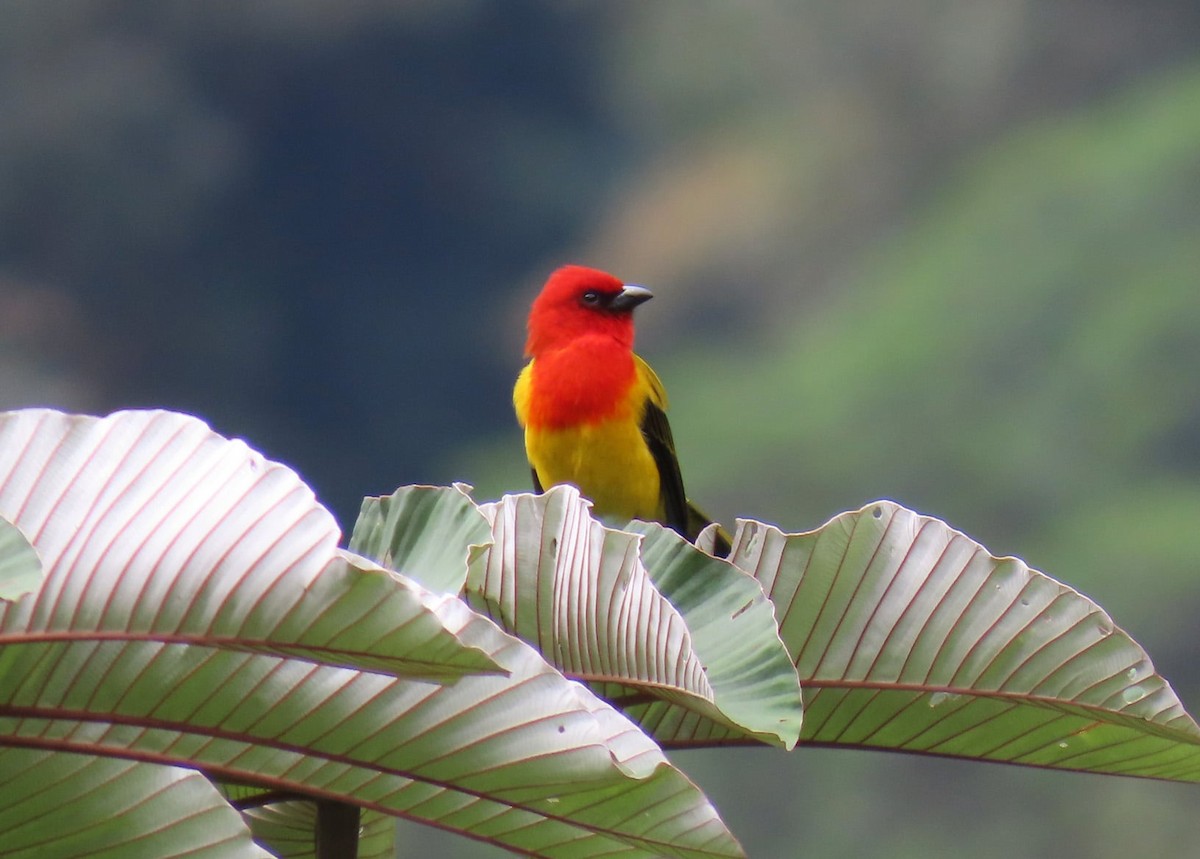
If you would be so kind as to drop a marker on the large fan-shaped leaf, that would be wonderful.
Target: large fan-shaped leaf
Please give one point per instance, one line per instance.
(908, 635)
(154, 528)
(581, 594)
(118, 810)
(424, 532)
(196, 611)
(735, 635)
(578, 592)
(530, 760)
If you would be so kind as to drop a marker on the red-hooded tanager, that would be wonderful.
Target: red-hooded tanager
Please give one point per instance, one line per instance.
(593, 411)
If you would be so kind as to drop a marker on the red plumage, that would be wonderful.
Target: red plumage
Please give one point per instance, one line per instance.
(584, 367)
(594, 413)
(558, 318)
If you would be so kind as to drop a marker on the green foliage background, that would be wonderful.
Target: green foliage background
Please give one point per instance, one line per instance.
(944, 254)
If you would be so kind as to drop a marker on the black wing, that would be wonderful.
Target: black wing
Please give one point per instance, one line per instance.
(657, 432)
(681, 515)
(537, 484)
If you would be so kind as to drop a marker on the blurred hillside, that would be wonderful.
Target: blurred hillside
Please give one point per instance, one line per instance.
(944, 254)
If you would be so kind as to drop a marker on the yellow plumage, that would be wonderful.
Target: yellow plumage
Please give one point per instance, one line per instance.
(594, 413)
(608, 459)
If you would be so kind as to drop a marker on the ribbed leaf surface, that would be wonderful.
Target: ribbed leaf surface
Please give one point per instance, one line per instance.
(118, 810)
(546, 571)
(530, 761)
(153, 528)
(424, 532)
(579, 593)
(909, 636)
(196, 611)
(553, 600)
(735, 635)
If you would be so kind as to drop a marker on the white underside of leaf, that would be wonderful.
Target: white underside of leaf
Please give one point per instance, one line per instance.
(196, 611)
(908, 635)
(578, 591)
(61, 806)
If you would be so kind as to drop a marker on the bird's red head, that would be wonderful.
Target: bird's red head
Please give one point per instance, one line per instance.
(580, 302)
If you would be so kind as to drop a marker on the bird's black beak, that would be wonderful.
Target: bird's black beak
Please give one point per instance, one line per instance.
(630, 297)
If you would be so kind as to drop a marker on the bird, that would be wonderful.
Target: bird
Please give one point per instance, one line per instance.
(593, 411)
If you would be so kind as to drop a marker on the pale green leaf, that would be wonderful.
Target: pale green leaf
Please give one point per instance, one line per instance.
(61, 806)
(196, 611)
(735, 635)
(154, 528)
(424, 532)
(909, 636)
(20, 567)
(528, 760)
(579, 593)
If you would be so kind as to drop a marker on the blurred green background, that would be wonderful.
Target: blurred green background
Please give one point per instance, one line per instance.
(945, 253)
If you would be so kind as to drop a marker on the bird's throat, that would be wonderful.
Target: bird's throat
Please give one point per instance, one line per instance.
(584, 383)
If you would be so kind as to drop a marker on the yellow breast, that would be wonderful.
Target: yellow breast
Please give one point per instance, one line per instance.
(607, 460)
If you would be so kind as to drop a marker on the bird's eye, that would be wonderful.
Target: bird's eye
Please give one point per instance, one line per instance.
(591, 297)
